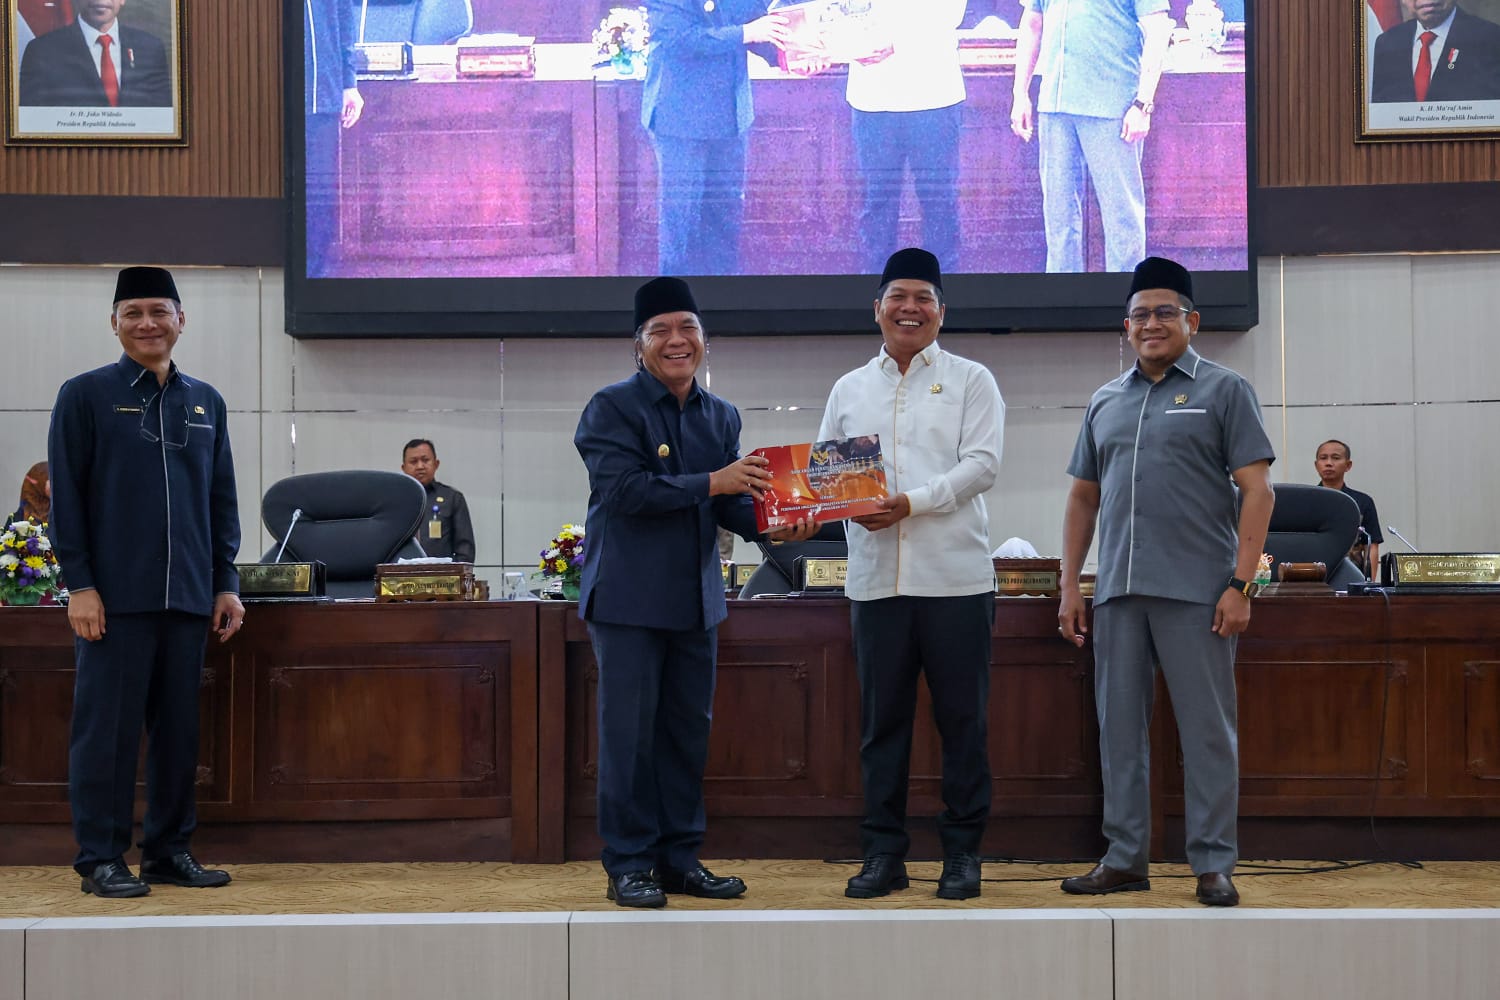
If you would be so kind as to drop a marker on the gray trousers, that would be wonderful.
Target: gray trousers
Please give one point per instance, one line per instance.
(1067, 144)
(1132, 635)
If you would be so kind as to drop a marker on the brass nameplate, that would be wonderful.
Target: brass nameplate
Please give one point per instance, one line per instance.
(1027, 577)
(423, 587)
(726, 569)
(742, 573)
(1446, 567)
(287, 579)
(1018, 583)
(374, 60)
(520, 63)
(986, 53)
(818, 573)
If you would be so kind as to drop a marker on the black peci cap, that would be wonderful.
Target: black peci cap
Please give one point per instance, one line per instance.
(146, 283)
(913, 263)
(1158, 272)
(662, 295)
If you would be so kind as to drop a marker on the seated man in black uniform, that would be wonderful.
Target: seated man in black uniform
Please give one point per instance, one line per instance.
(1332, 463)
(446, 531)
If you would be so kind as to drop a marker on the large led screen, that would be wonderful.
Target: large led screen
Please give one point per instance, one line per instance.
(516, 167)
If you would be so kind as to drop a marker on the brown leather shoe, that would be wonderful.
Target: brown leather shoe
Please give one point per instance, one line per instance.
(1104, 879)
(1217, 889)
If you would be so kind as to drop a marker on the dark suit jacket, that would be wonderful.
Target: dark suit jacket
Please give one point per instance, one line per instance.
(1474, 76)
(650, 553)
(57, 71)
(697, 85)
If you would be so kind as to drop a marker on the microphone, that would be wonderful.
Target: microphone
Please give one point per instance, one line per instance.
(297, 515)
(1392, 529)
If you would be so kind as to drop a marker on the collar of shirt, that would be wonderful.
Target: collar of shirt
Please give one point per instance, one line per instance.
(927, 355)
(131, 371)
(1437, 43)
(1187, 364)
(91, 39)
(656, 390)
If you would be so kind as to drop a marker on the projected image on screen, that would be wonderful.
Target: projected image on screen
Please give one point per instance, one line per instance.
(567, 138)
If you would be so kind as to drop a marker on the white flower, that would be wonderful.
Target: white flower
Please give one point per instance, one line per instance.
(8, 560)
(9, 538)
(44, 543)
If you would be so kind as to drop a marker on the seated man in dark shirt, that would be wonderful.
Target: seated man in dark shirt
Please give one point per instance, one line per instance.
(1332, 463)
(446, 531)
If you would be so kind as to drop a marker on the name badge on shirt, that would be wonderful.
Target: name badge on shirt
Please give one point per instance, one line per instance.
(128, 409)
(434, 528)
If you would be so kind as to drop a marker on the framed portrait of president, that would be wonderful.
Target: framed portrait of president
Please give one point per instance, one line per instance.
(94, 72)
(1428, 69)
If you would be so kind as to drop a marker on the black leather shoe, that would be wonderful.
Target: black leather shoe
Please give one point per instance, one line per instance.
(636, 889)
(881, 874)
(183, 869)
(113, 880)
(700, 882)
(1104, 879)
(1217, 889)
(960, 878)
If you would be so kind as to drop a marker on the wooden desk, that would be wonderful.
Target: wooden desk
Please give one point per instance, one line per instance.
(328, 732)
(467, 732)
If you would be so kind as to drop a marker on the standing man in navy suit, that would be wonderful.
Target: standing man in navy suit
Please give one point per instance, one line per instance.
(96, 62)
(664, 473)
(696, 108)
(145, 526)
(1443, 54)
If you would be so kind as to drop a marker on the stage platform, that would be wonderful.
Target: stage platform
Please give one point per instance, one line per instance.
(434, 931)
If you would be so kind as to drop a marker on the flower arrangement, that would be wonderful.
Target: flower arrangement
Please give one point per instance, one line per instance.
(28, 567)
(621, 40)
(562, 559)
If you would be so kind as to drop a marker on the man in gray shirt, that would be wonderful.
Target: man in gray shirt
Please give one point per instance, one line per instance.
(1158, 459)
(1100, 63)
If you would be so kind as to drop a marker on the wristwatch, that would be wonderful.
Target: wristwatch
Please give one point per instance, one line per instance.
(1146, 106)
(1244, 586)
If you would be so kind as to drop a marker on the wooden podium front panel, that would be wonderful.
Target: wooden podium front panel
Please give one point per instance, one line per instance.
(36, 707)
(470, 178)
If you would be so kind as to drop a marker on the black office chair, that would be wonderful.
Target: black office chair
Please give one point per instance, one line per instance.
(351, 522)
(421, 22)
(777, 572)
(1314, 524)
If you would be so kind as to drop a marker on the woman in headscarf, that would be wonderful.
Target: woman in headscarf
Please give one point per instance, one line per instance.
(36, 496)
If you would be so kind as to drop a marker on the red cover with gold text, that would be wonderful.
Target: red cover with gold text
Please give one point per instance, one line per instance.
(831, 480)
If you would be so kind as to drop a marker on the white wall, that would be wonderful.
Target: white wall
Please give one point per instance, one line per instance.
(1388, 353)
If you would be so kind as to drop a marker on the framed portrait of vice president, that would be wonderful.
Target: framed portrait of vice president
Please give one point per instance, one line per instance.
(94, 72)
(1428, 69)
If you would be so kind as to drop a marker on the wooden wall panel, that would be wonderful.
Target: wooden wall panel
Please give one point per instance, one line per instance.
(1306, 113)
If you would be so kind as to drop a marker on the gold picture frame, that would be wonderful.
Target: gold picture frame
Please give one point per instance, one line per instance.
(65, 86)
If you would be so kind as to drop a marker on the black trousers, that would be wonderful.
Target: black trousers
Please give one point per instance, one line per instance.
(948, 639)
(144, 672)
(656, 694)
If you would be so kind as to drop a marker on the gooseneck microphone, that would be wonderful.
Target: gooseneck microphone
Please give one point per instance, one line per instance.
(297, 515)
(1392, 529)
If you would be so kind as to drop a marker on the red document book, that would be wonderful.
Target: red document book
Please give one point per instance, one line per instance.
(831, 480)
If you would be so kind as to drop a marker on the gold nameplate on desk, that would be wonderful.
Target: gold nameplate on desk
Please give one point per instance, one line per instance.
(285, 579)
(743, 572)
(1027, 577)
(986, 53)
(1442, 568)
(382, 60)
(424, 582)
(726, 569)
(496, 55)
(821, 573)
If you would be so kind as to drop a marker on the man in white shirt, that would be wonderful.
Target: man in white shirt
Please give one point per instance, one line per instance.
(921, 584)
(906, 113)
